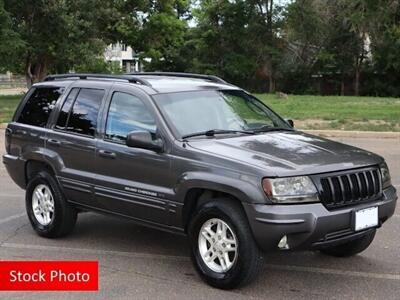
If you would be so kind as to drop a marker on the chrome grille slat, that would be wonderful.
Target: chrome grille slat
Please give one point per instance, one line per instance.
(350, 188)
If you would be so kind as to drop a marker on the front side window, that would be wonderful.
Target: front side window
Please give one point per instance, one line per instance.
(127, 113)
(194, 112)
(38, 107)
(82, 117)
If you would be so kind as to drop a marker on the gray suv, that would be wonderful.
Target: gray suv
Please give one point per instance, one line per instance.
(194, 155)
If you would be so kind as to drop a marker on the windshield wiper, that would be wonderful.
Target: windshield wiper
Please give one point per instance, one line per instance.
(213, 132)
(270, 129)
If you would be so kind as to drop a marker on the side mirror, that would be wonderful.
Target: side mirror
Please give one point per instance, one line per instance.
(290, 122)
(144, 140)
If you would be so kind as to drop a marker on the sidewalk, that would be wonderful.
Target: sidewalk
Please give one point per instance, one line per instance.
(12, 91)
(355, 134)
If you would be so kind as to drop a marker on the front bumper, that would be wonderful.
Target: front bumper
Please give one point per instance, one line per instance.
(311, 226)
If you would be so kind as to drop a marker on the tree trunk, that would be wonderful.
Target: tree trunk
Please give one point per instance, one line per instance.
(28, 74)
(271, 88)
(357, 82)
(342, 87)
(35, 72)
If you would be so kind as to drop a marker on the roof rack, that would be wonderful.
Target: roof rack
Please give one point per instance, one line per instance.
(130, 78)
(212, 78)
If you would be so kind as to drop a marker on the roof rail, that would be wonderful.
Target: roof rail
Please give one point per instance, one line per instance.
(129, 78)
(183, 75)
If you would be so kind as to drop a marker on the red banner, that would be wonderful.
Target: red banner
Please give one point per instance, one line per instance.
(49, 276)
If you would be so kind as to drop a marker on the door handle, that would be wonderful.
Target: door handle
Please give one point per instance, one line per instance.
(107, 154)
(23, 132)
(54, 142)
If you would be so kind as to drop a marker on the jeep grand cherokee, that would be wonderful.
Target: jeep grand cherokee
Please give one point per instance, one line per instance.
(194, 155)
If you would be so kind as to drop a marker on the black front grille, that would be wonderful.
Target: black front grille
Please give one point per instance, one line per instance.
(350, 188)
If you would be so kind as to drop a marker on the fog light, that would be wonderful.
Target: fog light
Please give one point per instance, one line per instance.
(283, 244)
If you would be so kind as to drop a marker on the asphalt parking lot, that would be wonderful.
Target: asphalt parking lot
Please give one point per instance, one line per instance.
(140, 263)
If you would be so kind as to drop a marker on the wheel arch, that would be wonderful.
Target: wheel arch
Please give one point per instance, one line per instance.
(196, 188)
(33, 167)
(195, 197)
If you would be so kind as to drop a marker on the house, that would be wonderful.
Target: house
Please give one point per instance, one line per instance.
(124, 55)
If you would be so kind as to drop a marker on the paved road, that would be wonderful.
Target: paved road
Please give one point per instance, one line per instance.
(141, 263)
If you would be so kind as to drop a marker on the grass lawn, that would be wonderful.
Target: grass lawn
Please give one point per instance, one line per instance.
(336, 112)
(8, 104)
(308, 112)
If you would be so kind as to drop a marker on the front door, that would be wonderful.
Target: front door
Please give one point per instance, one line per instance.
(131, 181)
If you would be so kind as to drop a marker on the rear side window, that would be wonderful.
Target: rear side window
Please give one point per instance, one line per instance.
(64, 113)
(80, 116)
(38, 107)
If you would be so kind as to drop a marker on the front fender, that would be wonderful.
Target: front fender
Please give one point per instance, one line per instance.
(245, 188)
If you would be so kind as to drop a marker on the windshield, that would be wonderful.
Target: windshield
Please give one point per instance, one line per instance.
(229, 110)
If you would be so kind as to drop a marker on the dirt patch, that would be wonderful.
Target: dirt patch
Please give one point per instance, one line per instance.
(312, 123)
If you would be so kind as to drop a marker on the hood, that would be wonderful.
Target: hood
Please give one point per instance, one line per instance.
(288, 153)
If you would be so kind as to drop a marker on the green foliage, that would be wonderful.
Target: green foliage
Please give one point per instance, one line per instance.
(59, 35)
(10, 41)
(299, 46)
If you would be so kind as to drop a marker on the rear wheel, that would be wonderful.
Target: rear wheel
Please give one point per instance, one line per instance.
(49, 213)
(351, 248)
(223, 248)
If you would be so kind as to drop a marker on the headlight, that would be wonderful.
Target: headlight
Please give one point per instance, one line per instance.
(386, 180)
(290, 190)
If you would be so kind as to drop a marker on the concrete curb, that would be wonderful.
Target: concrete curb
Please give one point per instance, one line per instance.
(334, 133)
(355, 134)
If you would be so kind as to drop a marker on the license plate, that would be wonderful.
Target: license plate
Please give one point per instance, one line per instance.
(366, 218)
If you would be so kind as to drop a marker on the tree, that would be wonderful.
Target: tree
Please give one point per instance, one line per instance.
(330, 37)
(306, 33)
(58, 35)
(162, 34)
(220, 40)
(238, 40)
(385, 48)
(265, 28)
(10, 41)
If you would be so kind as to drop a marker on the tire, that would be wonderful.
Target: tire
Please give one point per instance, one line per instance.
(351, 248)
(61, 220)
(242, 266)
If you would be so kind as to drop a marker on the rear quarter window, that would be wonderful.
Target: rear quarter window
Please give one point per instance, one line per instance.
(38, 107)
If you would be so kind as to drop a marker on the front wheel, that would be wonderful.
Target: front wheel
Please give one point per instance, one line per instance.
(351, 248)
(223, 248)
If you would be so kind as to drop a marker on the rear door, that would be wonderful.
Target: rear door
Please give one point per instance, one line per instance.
(131, 181)
(71, 142)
